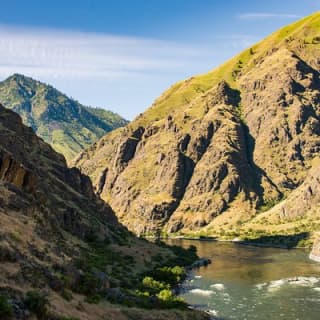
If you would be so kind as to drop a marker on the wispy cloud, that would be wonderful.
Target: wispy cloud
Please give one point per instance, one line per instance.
(236, 41)
(53, 53)
(266, 16)
(103, 69)
(47, 54)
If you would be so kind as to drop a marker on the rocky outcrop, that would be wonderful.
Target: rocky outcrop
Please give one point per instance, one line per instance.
(127, 149)
(217, 149)
(197, 167)
(15, 173)
(37, 177)
(203, 262)
(315, 253)
(303, 199)
(285, 124)
(222, 171)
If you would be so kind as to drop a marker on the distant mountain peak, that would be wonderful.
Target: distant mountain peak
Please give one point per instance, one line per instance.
(67, 125)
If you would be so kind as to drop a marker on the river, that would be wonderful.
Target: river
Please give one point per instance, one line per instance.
(248, 283)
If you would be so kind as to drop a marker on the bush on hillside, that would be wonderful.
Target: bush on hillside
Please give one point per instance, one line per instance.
(6, 311)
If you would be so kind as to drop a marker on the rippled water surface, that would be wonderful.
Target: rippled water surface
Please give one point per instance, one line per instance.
(246, 282)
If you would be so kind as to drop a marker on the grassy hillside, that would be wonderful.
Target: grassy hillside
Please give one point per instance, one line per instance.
(303, 33)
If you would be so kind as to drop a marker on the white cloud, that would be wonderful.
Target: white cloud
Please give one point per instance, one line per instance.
(266, 15)
(53, 53)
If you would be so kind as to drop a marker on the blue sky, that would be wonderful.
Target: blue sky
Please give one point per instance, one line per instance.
(122, 54)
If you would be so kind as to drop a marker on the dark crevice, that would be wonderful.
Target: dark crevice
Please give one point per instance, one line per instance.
(128, 149)
(185, 171)
(102, 181)
(126, 153)
(258, 173)
(183, 144)
(185, 167)
(204, 142)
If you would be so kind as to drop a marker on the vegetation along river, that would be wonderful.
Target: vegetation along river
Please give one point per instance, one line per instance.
(247, 283)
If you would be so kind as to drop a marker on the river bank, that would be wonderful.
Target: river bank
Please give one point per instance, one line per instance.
(253, 242)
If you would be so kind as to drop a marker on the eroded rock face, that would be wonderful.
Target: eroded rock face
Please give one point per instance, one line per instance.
(281, 108)
(222, 170)
(238, 138)
(202, 174)
(303, 199)
(38, 182)
(315, 253)
(15, 173)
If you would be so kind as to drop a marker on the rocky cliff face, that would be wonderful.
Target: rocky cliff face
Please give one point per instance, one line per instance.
(216, 150)
(39, 178)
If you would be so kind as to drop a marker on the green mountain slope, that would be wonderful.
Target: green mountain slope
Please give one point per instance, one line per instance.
(217, 150)
(63, 122)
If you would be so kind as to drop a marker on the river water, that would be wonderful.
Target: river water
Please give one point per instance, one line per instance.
(248, 283)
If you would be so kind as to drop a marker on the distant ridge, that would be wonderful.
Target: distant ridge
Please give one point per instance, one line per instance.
(61, 121)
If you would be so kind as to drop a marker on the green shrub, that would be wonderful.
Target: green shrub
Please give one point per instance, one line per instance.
(165, 295)
(170, 275)
(184, 257)
(154, 286)
(37, 302)
(88, 284)
(169, 300)
(6, 311)
(144, 294)
(66, 294)
(93, 299)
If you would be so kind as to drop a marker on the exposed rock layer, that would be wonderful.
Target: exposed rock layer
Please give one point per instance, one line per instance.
(229, 143)
(39, 178)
